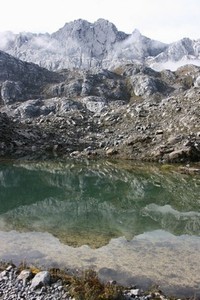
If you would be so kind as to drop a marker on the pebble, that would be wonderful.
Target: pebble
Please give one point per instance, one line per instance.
(26, 286)
(14, 287)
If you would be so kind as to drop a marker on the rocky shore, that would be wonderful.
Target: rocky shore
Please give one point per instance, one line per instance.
(15, 284)
(33, 284)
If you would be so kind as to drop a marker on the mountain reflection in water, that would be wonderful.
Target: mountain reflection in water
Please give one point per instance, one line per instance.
(82, 202)
(134, 223)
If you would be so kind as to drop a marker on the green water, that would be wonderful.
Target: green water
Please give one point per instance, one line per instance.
(134, 223)
(89, 202)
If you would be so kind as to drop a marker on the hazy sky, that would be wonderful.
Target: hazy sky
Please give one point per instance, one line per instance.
(164, 20)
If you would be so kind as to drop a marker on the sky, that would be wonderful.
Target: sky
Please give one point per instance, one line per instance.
(163, 20)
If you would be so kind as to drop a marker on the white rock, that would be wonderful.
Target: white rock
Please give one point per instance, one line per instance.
(40, 279)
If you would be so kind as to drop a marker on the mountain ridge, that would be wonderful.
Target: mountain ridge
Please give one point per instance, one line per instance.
(106, 101)
(85, 45)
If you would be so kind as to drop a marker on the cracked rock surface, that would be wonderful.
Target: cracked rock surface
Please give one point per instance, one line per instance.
(132, 112)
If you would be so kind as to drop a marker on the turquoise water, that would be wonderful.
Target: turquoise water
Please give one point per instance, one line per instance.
(92, 204)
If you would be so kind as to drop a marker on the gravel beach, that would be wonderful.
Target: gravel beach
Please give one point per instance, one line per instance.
(18, 284)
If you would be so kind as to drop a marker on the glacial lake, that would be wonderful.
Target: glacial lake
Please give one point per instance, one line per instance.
(134, 223)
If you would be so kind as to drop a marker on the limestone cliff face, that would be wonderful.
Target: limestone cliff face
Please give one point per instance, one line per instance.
(84, 45)
(78, 44)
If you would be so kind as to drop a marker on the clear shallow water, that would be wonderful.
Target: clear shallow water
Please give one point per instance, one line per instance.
(134, 222)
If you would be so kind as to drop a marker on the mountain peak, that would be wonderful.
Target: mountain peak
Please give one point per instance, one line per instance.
(136, 33)
(84, 45)
(102, 20)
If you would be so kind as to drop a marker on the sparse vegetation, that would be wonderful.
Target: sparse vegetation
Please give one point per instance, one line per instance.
(86, 285)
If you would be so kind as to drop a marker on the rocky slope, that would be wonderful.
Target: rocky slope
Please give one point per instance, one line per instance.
(21, 80)
(85, 45)
(132, 112)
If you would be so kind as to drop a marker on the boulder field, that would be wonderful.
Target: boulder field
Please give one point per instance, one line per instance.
(129, 112)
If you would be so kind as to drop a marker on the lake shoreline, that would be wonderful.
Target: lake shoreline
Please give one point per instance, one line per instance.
(61, 284)
(151, 266)
(129, 222)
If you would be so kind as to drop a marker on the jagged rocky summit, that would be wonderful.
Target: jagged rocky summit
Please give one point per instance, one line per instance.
(88, 90)
(84, 45)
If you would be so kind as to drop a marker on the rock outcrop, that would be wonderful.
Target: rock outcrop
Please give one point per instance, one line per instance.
(21, 80)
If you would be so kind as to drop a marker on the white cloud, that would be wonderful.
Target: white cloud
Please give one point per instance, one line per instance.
(173, 66)
(44, 42)
(5, 39)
